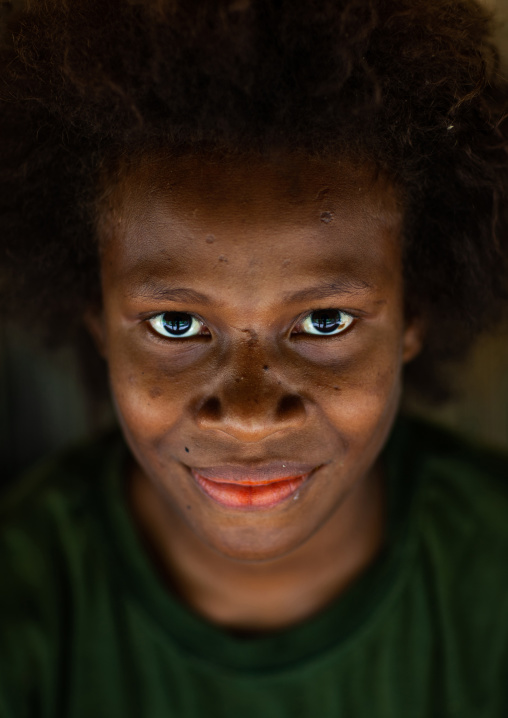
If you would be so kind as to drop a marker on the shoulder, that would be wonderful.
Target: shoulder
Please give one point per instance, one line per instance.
(49, 538)
(459, 529)
(463, 485)
(453, 538)
(54, 497)
(48, 512)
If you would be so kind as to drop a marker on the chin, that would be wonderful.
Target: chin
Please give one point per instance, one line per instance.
(252, 554)
(250, 548)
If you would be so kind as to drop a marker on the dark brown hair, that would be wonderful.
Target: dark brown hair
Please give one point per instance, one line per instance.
(413, 86)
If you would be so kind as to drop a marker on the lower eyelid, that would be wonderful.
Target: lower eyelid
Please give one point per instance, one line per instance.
(165, 340)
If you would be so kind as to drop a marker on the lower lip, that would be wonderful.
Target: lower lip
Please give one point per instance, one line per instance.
(254, 496)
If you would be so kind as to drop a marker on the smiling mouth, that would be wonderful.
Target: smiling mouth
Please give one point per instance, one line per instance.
(248, 493)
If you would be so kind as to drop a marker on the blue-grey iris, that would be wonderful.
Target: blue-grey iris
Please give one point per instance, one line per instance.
(327, 320)
(176, 323)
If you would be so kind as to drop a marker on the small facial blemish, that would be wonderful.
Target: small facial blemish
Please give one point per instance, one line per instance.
(186, 449)
(322, 194)
(252, 337)
(326, 217)
(188, 507)
(265, 367)
(286, 263)
(210, 239)
(223, 258)
(155, 392)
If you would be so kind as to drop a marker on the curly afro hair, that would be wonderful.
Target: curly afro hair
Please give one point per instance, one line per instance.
(413, 86)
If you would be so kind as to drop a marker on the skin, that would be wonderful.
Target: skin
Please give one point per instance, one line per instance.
(246, 235)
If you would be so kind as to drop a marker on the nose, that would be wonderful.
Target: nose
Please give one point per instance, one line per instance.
(251, 405)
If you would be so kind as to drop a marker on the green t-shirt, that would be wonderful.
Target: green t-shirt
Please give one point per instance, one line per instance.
(87, 630)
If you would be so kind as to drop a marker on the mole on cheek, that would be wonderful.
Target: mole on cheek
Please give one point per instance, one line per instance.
(326, 217)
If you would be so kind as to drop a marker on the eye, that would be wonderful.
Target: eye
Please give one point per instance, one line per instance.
(178, 325)
(325, 322)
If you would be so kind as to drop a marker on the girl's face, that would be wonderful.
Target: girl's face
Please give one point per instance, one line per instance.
(254, 329)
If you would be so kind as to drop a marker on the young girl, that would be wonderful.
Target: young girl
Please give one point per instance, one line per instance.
(268, 216)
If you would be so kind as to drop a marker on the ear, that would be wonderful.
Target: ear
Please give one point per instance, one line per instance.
(413, 338)
(94, 322)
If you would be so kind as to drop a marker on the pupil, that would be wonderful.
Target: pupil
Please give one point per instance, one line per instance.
(176, 323)
(326, 321)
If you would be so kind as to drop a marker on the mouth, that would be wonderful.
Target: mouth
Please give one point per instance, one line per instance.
(251, 488)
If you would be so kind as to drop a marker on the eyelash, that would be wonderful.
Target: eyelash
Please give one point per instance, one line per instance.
(155, 321)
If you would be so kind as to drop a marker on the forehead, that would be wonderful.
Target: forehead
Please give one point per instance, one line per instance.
(329, 213)
(272, 188)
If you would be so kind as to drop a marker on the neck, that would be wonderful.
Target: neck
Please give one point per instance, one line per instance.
(262, 595)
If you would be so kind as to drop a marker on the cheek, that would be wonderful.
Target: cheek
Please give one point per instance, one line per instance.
(148, 394)
(361, 390)
(361, 401)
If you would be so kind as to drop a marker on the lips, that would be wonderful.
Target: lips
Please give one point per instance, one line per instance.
(252, 487)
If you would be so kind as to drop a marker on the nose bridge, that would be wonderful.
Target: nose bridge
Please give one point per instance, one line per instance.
(250, 381)
(250, 399)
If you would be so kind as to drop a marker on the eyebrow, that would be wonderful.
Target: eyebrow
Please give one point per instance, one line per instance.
(330, 289)
(152, 289)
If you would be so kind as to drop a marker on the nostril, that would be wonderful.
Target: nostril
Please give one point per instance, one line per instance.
(210, 410)
(290, 407)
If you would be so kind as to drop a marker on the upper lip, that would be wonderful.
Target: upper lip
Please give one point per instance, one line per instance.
(259, 474)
